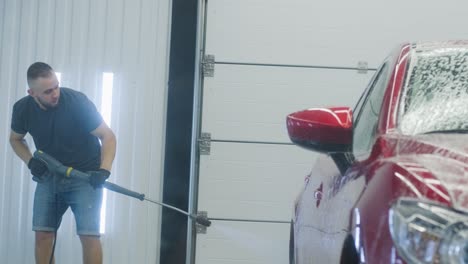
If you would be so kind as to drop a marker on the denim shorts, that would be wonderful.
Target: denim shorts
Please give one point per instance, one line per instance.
(53, 197)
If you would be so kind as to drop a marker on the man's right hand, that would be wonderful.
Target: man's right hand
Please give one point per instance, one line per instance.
(38, 169)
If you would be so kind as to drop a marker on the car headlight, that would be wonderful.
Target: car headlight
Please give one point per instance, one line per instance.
(429, 233)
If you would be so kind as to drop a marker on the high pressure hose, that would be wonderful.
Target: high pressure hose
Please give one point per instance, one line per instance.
(56, 167)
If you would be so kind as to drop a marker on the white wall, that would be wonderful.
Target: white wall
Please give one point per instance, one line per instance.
(82, 39)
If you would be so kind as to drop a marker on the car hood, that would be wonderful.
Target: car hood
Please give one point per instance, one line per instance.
(439, 160)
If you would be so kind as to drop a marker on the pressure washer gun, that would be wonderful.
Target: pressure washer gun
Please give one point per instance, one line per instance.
(55, 166)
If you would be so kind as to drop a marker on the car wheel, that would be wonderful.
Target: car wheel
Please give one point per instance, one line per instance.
(292, 259)
(349, 254)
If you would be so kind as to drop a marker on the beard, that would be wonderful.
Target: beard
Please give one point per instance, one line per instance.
(47, 105)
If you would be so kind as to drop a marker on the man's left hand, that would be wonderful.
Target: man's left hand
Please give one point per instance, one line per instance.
(97, 178)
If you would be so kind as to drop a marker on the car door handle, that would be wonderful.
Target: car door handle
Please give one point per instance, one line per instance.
(318, 195)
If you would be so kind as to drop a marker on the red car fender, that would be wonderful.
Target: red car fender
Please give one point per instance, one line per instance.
(386, 182)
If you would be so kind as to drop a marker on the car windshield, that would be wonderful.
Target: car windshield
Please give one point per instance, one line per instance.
(436, 91)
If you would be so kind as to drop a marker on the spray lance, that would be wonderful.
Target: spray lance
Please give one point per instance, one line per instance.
(56, 167)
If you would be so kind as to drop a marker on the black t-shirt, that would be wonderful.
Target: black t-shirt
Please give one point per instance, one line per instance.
(64, 131)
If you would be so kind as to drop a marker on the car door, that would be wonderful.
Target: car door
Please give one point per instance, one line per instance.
(331, 194)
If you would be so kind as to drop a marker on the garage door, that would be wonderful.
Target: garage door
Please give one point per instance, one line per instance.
(265, 67)
(271, 58)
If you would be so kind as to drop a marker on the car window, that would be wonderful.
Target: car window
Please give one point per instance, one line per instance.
(435, 92)
(365, 125)
(363, 97)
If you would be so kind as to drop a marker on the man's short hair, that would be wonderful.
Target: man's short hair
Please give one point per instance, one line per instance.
(37, 70)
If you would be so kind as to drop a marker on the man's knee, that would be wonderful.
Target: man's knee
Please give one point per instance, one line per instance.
(92, 249)
(90, 240)
(44, 237)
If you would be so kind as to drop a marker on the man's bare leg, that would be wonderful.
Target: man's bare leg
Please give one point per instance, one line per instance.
(92, 249)
(43, 248)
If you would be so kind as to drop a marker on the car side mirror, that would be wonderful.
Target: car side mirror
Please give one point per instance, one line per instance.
(328, 130)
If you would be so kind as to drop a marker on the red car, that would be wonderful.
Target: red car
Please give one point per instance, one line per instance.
(391, 182)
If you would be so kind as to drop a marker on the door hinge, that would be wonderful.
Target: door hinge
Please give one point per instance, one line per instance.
(201, 229)
(208, 65)
(204, 144)
(362, 67)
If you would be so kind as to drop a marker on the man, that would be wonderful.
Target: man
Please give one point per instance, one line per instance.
(66, 125)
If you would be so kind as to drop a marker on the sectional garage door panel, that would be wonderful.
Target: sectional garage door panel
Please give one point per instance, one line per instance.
(272, 58)
(251, 103)
(333, 33)
(246, 243)
(252, 181)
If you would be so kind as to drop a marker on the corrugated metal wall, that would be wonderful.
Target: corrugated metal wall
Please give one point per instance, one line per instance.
(81, 40)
